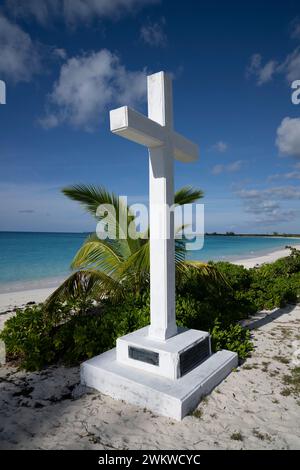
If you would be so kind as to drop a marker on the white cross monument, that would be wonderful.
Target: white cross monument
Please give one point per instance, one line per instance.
(156, 132)
(160, 367)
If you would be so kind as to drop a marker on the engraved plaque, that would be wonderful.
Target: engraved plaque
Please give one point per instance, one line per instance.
(192, 357)
(143, 355)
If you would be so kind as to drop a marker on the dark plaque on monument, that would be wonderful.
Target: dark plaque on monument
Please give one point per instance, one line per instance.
(192, 357)
(143, 355)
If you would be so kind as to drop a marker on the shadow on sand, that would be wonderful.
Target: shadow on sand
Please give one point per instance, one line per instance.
(264, 317)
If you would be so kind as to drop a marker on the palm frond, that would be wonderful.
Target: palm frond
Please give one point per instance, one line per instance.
(97, 254)
(91, 284)
(186, 269)
(90, 197)
(187, 195)
(138, 261)
(117, 214)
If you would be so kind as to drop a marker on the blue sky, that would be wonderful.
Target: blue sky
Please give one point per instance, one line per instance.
(65, 64)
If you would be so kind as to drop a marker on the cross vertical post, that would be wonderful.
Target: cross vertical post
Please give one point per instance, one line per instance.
(161, 199)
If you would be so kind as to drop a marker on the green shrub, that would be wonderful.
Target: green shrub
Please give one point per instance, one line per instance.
(27, 337)
(76, 330)
(286, 266)
(268, 292)
(37, 338)
(234, 338)
(237, 276)
(267, 287)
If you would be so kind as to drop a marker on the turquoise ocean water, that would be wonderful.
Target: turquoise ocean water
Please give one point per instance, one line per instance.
(30, 260)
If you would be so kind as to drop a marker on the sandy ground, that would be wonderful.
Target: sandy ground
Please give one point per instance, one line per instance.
(11, 300)
(251, 409)
(269, 258)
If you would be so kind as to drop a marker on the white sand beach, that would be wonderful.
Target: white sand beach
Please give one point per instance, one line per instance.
(11, 300)
(268, 258)
(252, 409)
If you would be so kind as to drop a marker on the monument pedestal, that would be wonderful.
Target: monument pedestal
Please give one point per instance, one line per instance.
(171, 358)
(168, 378)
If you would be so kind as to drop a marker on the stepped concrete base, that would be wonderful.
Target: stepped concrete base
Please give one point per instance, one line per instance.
(167, 397)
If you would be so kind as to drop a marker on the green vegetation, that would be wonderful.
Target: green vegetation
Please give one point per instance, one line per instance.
(197, 413)
(261, 436)
(285, 392)
(237, 436)
(282, 359)
(270, 286)
(109, 296)
(293, 381)
(36, 337)
(73, 330)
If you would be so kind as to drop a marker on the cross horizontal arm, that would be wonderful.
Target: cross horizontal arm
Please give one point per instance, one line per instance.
(134, 126)
(184, 149)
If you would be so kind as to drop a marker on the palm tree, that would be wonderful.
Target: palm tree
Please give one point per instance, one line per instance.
(111, 268)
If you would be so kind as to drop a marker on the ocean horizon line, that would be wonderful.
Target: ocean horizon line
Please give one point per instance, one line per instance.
(206, 234)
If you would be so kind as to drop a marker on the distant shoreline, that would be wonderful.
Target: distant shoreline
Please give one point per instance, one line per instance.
(269, 257)
(265, 235)
(208, 234)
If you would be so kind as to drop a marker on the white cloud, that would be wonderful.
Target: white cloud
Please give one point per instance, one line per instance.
(73, 11)
(288, 136)
(291, 66)
(277, 216)
(59, 53)
(266, 204)
(295, 29)
(218, 169)
(87, 84)
(263, 73)
(153, 33)
(262, 207)
(282, 192)
(227, 168)
(19, 56)
(292, 175)
(220, 146)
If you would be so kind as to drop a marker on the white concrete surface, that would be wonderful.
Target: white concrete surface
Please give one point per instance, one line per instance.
(171, 398)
